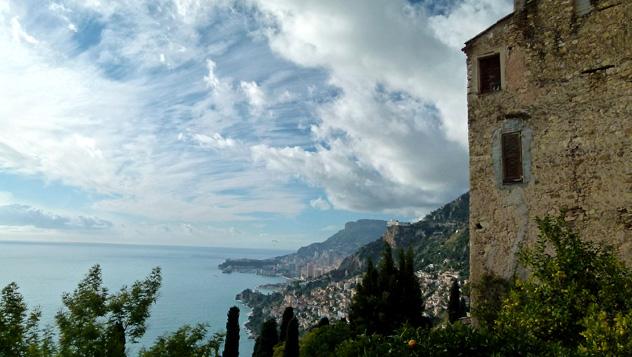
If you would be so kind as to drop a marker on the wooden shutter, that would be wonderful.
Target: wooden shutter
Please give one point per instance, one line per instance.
(512, 157)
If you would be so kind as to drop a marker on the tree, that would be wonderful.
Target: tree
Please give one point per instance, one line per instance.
(456, 308)
(363, 313)
(268, 338)
(231, 345)
(19, 332)
(288, 315)
(291, 343)
(407, 298)
(94, 323)
(389, 297)
(187, 341)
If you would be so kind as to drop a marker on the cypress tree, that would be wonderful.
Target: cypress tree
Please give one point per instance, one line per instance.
(231, 345)
(454, 303)
(268, 338)
(288, 315)
(363, 312)
(411, 305)
(291, 343)
(388, 297)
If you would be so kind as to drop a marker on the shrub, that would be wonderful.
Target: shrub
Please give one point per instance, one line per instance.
(322, 341)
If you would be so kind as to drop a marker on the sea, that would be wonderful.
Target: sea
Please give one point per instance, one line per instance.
(193, 289)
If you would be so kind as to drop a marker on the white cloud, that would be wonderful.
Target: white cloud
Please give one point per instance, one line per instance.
(467, 19)
(67, 121)
(19, 34)
(216, 141)
(320, 203)
(256, 96)
(149, 107)
(24, 215)
(395, 139)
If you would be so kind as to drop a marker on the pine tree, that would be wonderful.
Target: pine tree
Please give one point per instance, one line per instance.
(268, 338)
(291, 343)
(288, 315)
(231, 345)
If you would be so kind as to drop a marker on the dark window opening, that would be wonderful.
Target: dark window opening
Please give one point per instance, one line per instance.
(512, 157)
(489, 73)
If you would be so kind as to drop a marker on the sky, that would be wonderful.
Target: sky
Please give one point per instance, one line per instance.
(235, 123)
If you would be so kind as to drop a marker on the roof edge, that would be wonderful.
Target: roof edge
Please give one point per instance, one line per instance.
(504, 18)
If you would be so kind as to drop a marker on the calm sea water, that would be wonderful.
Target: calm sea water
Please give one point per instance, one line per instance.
(194, 290)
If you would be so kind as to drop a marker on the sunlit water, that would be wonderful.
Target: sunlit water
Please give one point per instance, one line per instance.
(194, 290)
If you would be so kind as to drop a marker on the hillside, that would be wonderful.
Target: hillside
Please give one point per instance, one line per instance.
(317, 258)
(440, 242)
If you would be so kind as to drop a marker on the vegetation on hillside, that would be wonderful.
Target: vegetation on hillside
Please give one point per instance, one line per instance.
(440, 241)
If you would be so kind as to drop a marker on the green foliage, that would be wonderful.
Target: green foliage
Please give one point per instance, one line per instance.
(291, 348)
(451, 340)
(323, 340)
(19, 331)
(388, 297)
(456, 304)
(490, 292)
(187, 341)
(572, 282)
(95, 323)
(605, 336)
(288, 315)
(268, 338)
(231, 345)
(130, 307)
(365, 346)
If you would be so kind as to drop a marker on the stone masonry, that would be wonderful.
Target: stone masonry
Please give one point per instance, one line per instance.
(566, 87)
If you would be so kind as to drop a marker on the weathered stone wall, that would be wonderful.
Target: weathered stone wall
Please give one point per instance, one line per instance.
(567, 81)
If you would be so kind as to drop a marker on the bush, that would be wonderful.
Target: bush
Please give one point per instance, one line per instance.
(322, 341)
(572, 283)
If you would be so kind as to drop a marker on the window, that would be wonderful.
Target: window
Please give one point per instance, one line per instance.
(489, 74)
(512, 157)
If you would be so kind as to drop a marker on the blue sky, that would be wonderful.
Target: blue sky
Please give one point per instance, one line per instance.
(253, 123)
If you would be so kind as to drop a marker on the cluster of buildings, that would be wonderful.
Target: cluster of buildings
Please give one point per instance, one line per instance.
(332, 301)
(311, 267)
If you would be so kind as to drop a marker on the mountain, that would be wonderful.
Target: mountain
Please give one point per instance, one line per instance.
(440, 241)
(317, 258)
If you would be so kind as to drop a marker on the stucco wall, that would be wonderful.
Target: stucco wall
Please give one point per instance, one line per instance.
(567, 83)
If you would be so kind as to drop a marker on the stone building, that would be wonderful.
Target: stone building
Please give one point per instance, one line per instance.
(550, 127)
